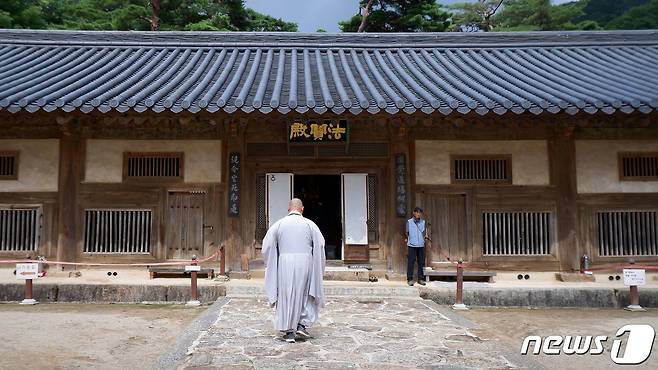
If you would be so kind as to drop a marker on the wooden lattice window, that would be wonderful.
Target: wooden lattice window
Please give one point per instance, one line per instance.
(481, 169)
(126, 231)
(153, 166)
(8, 165)
(627, 233)
(516, 233)
(638, 166)
(19, 228)
(373, 220)
(261, 215)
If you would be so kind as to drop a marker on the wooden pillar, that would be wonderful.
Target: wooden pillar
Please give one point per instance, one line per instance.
(71, 167)
(235, 245)
(562, 154)
(400, 145)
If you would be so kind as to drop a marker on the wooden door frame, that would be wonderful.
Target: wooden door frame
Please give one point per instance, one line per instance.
(253, 167)
(454, 190)
(204, 217)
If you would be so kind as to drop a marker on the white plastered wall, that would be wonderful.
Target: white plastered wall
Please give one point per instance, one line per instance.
(203, 158)
(597, 166)
(529, 159)
(38, 165)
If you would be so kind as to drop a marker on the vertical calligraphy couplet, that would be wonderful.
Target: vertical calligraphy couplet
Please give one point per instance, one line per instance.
(400, 185)
(234, 184)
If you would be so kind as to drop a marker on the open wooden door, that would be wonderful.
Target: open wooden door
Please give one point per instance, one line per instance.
(355, 216)
(279, 192)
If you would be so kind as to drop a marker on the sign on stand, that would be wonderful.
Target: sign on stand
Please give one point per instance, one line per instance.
(634, 277)
(193, 268)
(25, 271)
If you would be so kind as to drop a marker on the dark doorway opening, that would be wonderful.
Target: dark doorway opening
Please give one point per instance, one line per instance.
(321, 197)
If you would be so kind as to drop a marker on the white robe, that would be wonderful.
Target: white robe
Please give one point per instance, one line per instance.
(293, 252)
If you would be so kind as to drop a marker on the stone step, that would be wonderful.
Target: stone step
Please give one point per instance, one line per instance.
(331, 273)
(333, 291)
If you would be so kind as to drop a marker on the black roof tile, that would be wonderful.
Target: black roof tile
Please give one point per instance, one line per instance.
(437, 72)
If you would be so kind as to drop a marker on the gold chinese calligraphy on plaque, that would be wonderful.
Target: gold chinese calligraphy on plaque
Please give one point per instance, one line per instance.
(314, 131)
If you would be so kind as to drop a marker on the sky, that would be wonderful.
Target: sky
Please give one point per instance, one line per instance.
(313, 14)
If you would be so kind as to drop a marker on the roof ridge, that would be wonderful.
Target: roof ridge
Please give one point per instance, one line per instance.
(327, 40)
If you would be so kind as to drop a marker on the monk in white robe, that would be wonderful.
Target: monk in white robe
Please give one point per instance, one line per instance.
(293, 251)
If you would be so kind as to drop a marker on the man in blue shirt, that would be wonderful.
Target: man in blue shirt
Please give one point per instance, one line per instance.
(416, 235)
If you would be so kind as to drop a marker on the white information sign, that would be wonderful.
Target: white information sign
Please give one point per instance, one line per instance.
(193, 268)
(634, 277)
(25, 271)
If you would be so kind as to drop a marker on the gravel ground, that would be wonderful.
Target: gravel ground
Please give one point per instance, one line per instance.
(77, 336)
(510, 326)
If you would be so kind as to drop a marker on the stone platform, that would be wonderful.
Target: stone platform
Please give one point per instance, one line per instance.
(134, 286)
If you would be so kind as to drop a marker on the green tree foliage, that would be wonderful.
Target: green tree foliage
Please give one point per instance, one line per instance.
(401, 16)
(96, 14)
(541, 15)
(261, 22)
(525, 15)
(475, 16)
(21, 14)
(192, 15)
(644, 16)
(604, 11)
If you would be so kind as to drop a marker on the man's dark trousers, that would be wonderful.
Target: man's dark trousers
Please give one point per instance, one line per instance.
(415, 254)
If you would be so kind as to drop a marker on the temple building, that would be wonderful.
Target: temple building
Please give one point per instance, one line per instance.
(525, 150)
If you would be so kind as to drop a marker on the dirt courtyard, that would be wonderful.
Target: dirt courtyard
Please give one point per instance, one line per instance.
(91, 336)
(509, 326)
(86, 336)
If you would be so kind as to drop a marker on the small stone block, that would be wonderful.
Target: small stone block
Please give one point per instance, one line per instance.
(392, 276)
(634, 308)
(574, 277)
(239, 275)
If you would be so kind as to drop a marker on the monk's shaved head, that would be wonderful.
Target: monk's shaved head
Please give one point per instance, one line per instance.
(295, 204)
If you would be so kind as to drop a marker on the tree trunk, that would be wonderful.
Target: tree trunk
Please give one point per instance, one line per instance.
(366, 13)
(155, 17)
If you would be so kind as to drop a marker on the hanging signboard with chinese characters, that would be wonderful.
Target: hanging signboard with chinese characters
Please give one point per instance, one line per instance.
(234, 184)
(312, 131)
(400, 185)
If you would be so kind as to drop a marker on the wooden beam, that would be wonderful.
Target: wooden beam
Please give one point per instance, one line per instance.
(562, 155)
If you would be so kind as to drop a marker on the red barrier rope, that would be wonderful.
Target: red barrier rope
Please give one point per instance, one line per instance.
(447, 257)
(621, 266)
(175, 263)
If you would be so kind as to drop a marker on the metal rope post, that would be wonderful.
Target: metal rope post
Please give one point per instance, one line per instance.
(634, 295)
(459, 295)
(194, 268)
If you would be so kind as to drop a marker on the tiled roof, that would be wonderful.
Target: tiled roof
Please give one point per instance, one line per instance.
(286, 72)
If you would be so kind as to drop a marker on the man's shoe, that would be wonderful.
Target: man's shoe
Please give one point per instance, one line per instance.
(302, 333)
(289, 337)
(410, 283)
(421, 282)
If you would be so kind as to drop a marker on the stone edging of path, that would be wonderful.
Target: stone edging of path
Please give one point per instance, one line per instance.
(192, 333)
